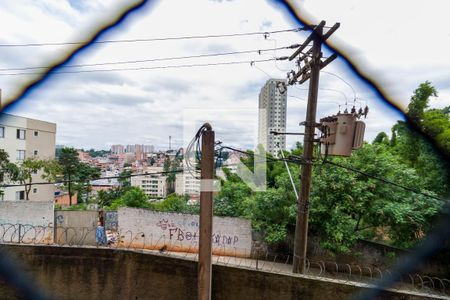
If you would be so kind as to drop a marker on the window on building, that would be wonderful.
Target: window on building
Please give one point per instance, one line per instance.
(34, 190)
(20, 154)
(2, 132)
(35, 152)
(36, 133)
(20, 195)
(20, 134)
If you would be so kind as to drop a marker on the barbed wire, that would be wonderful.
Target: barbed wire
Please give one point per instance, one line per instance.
(255, 257)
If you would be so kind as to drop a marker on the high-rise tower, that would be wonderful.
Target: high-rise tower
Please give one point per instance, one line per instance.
(272, 117)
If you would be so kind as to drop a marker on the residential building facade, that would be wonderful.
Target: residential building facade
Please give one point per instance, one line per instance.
(117, 149)
(154, 185)
(24, 138)
(187, 184)
(272, 117)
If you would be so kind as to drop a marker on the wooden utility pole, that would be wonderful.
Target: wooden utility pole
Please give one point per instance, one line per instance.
(206, 214)
(311, 71)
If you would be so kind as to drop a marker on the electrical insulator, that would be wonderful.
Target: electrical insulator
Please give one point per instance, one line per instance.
(345, 135)
(358, 138)
(366, 111)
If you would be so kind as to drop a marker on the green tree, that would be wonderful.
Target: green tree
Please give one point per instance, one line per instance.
(133, 197)
(270, 212)
(69, 161)
(419, 101)
(355, 206)
(52, 170)
(171, 166)
(435, 122)
(106, 198)
(5, 167)
(76, 174)
(98, 153)
(24, 171)
(230, 200)
(381, 138)
(124, 179)
(83, 175)
(416, 151)
(173, 203)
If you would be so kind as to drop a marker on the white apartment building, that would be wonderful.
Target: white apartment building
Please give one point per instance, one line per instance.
(138, 148)
(23, 138)
(117, 149)
(272, 117)
(187, 184)
(154, 186)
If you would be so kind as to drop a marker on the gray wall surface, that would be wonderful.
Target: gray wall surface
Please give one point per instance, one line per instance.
(148, 229)
(25, 221)
(90, 273)
(75, 227)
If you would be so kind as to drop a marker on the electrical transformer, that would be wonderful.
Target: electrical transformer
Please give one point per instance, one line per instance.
(341, 134)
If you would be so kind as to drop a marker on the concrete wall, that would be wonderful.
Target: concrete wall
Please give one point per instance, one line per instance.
(35, 219)
(90, 273)
(75, 227)
(148, 229)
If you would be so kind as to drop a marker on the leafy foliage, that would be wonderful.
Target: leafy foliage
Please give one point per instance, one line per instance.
(419, 101)
(4, 167)
(23, 173)
(133, 197)
(229, 202)
(76, 174)
(175, 203)
(347, 205)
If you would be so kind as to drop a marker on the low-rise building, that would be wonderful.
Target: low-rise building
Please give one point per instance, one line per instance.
(24, 138)
(187, 184)
(154, 185)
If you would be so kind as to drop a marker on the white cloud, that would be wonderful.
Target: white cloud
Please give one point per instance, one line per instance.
(98, 109)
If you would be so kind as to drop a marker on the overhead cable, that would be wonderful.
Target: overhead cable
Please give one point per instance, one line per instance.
(258, 51)
(250, 62)
(187, 37)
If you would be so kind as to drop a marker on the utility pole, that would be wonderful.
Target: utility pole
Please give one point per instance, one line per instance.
(311, 70)
(206, 214)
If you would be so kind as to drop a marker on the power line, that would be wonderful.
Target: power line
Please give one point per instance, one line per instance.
(251, 62)
(343, 80)
(267, 159)
(259, 51)
(188, 37)
(384, 180)
(98, 178)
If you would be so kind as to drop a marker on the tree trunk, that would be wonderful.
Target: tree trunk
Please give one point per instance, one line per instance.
(27, 191)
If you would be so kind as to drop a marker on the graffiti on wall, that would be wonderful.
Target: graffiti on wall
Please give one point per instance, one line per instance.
(111, 220)
(176, 233)
(180, 232)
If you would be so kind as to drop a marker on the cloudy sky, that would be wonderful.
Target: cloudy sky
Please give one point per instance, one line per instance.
(398, 43)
